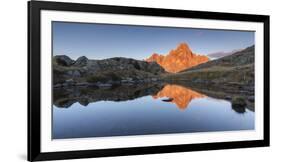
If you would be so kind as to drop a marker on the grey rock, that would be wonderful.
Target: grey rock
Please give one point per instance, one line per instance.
(129, 79)
(76, 73)
(63, 60)
(119, 63)
(93, 66)
(104, 85)
(82, 84)
(251, 98)
(65, 84)
(154, 79)
(57, 85)
(154, 68)
(70, 82)
(73, 73)
(69, 73)
(124, 81)
(228, 97)
(81, 61)
(128, 83)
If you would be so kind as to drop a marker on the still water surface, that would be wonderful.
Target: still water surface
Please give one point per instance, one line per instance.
(135, 110)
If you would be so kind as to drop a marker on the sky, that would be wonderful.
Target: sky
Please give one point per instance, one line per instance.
(100, 41)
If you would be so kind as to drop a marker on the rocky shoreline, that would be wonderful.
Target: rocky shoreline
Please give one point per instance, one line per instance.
(66, 96)
(110, 83)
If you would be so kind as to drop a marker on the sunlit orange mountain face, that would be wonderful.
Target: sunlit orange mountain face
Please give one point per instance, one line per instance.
(178, 59)
(178, 95)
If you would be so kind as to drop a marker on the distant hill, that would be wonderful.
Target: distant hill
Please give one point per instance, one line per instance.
(178, 59)
(244, 57)
(221, 54)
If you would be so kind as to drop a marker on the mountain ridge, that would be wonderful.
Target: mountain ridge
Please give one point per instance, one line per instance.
(178, 59)
(106, 72)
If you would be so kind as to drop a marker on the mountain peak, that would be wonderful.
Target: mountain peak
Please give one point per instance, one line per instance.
(178, 59)
(183, 46)
(81, 61)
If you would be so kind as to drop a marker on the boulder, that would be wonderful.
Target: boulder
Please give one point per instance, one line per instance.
(104, 85)
(69, 82)
(81, 61)
(57, 85)
(154, 79)
(228, 97)
(70, 72)
(251, 98)
(76, 73)
(63, 60)
(82, 84)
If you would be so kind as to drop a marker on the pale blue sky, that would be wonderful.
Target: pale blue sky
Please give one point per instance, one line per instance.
(100, 41)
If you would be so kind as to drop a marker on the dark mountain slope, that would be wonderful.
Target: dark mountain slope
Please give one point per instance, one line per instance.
(226, 77)
(240, 58)
(237, 68)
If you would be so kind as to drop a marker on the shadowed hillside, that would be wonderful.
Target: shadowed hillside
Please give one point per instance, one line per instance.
(237, 68)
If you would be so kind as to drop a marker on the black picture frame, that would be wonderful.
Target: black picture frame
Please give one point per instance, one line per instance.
(34, 134)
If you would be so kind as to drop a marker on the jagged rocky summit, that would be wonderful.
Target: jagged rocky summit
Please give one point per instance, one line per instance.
(178, 59)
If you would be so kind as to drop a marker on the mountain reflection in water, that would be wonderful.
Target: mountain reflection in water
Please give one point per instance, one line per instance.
(179, 95)
(142, 110)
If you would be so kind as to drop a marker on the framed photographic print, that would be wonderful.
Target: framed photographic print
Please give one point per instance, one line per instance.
(115, 80)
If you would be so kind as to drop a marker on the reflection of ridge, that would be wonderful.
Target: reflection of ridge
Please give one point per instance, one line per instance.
(64, 98)
(179, 95)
